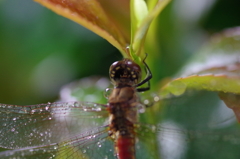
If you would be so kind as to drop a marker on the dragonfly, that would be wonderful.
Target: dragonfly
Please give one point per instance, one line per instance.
(75, 130)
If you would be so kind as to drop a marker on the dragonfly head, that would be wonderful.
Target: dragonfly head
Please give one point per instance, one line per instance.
(125, 73)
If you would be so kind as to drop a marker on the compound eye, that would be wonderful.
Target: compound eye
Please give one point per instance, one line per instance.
(125, 72)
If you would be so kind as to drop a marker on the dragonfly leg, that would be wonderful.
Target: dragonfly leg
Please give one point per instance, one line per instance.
(147, 78)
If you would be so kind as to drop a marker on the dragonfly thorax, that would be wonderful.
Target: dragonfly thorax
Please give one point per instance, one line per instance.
(125, 73)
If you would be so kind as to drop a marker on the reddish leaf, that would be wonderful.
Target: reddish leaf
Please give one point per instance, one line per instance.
(98, 16)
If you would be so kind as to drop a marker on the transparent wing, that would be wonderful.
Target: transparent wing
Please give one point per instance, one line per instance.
(45, 124)
(93, 144)
(171, 141)
(195, 125)
(176, 141)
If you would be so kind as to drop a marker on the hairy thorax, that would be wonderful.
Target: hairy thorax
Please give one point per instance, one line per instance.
(123, 109)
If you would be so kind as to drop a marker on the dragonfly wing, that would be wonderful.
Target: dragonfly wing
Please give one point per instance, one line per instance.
(146, 143)
(171, 140)
(93, 144)
(30, 152)
(44, 124)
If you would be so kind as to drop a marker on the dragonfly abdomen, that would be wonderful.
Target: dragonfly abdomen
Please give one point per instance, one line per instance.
(122, 130)
(123, 116)
(125, 147)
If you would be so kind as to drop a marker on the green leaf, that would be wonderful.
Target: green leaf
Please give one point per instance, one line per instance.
(222, 50)
(139, 11)
(139, 34)
(206, 82)
(215, 68)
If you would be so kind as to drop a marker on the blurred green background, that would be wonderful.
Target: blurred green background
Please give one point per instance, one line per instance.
(41, 51)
